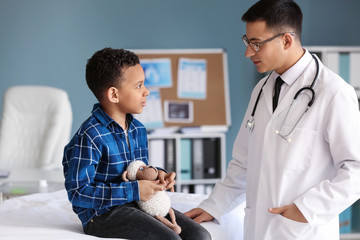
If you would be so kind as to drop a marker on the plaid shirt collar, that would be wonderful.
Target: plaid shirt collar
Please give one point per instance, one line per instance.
(105, 119)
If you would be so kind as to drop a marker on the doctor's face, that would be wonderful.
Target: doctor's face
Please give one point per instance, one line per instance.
(269, 57)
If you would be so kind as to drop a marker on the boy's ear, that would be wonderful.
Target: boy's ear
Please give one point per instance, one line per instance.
(112, 95)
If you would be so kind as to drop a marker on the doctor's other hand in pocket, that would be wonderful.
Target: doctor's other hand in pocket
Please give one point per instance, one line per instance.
(291, 212)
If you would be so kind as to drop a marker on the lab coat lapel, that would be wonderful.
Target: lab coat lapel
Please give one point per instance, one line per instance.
(289, 96)
(305, 79)
(268, 94)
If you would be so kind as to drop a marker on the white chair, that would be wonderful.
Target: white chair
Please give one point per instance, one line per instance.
(35, 127)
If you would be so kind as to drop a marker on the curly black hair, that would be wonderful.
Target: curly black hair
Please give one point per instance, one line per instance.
(104, 69)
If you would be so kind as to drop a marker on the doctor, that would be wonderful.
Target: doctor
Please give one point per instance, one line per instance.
(297, 173)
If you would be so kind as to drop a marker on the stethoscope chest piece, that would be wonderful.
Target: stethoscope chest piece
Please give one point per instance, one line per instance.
(250, 123)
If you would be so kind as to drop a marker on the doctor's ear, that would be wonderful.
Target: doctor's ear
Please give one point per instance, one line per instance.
(288, 40)
(112, 95)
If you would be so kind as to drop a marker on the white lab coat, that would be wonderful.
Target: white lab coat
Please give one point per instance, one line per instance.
(319, 170)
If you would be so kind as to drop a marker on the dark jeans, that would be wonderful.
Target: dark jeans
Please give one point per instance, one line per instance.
(129, 222)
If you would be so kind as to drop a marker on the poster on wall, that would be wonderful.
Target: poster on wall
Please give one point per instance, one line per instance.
(192, 78)
(151, 116)
(157, 72)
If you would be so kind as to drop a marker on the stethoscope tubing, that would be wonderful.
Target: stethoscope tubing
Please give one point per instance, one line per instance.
(259, 95)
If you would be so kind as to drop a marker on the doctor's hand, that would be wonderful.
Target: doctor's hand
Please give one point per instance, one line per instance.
(289, 211)
(199, 215)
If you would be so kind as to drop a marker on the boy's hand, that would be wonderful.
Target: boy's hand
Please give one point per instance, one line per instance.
(149, 188)
(168, 179)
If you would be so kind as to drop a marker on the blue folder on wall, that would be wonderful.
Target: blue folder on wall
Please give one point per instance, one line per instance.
(345, 220)
(185, 159)
(355, 226)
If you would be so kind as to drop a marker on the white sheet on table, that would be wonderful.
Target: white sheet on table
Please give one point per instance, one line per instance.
(46, 216)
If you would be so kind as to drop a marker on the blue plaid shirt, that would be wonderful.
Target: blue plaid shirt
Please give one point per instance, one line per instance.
(94, 160)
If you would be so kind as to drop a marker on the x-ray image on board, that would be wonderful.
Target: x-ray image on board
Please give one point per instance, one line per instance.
(157, 72)
(179, 111)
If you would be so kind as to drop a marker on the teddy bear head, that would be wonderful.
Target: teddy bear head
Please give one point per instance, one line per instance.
(138, 170)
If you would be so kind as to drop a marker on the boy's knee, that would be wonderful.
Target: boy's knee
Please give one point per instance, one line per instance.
(204, 235)
(200, 234)
(163, 235)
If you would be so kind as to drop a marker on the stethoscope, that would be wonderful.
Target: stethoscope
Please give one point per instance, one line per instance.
(251, 122)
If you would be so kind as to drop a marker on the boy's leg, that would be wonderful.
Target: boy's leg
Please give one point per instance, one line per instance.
(190, 230)
(129, 222)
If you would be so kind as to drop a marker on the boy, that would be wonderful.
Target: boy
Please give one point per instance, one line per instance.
(105, 144)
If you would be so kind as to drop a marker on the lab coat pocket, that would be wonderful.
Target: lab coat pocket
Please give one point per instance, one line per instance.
(296, 153)
(289, 229)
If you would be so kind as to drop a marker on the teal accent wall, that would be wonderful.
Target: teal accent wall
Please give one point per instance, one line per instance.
(48, 42)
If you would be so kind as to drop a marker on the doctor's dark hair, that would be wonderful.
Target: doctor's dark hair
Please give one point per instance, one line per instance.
(104, 69)
(279, 15)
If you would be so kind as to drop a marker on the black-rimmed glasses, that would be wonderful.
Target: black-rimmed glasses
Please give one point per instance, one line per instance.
(256, 45)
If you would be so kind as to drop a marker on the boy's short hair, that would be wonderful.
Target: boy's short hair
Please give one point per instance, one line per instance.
(104, 69)
(279, 15)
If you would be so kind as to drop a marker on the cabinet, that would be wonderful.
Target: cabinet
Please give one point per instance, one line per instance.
(345, 61)
(198, 159)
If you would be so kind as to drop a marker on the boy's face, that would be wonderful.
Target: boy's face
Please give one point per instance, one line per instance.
(132, 92)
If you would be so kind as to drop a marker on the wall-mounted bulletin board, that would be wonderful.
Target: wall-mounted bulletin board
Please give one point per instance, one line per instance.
(192, 91)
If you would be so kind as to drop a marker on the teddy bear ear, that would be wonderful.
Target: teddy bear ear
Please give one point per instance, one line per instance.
(124, 176)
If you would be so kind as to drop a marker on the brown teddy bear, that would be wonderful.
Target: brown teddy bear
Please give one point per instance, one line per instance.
(159, 205)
